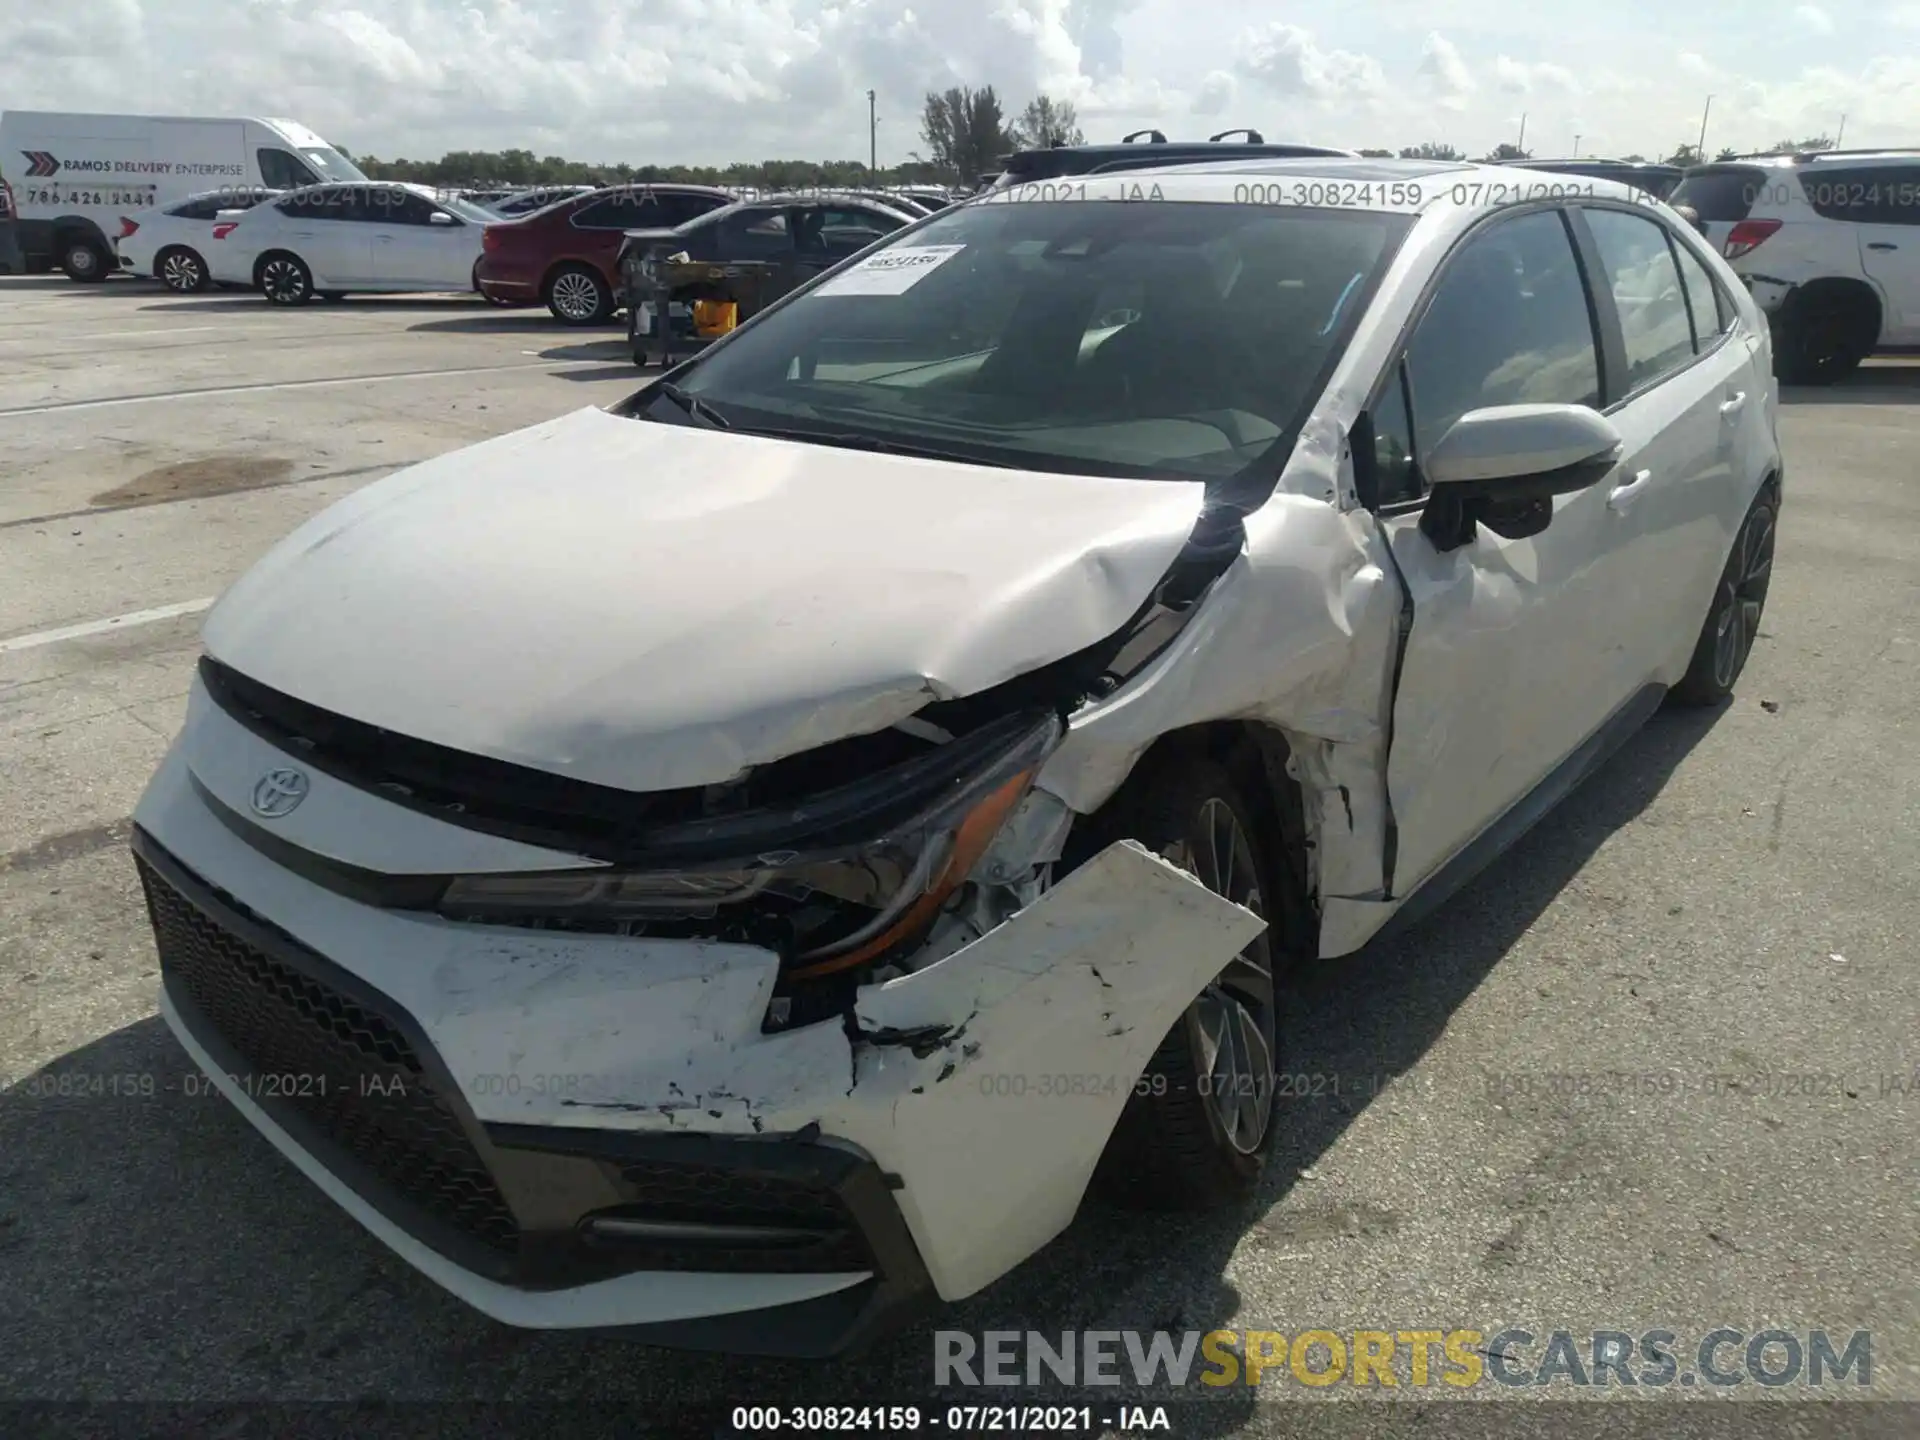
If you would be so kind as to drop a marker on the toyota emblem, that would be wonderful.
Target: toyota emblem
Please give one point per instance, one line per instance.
(278, 792)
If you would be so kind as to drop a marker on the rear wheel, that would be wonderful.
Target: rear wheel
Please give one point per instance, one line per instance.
(577, 296)
(1822, 338)
(181, 270)
(1740, 599)
(1197, 1129)
(83, 259)
(285, 280)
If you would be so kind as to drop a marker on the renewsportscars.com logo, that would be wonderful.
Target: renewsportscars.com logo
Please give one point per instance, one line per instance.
(1460, 1358)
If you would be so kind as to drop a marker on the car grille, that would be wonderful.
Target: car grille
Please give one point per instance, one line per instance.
(712, 1195)
(336, 1060)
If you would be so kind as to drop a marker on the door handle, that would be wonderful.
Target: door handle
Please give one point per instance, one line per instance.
(1732, 405)
(1623, 494)
(1881, 245)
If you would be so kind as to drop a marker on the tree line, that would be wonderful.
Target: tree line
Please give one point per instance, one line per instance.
(965, 133)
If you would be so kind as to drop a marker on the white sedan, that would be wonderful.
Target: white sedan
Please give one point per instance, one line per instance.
(172, 243)
(332, 240)
(744, 863)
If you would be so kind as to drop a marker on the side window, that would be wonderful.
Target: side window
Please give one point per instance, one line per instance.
(1712, 315)
(203, 209)
(679, 209)
(1509, 324)
(279, 170)
(617, 212)
(1863, 194)
(310, 205)
(754, 235)
(1638, 264)
(1396, 476)
(402, 207)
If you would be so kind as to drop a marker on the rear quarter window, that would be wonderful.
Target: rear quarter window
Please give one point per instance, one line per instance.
(1721, 195)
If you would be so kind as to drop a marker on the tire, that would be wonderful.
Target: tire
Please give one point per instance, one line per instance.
(1739, 600)
(1820, 340)
(577, 296)
(1196, 1133)
(181, 270)
(284, 279)
(332, 297)
(83, 260)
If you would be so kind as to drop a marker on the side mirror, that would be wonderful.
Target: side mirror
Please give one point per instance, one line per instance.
(441, 217)
(1502, 466)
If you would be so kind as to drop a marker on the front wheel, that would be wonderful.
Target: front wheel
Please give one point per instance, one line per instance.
(1726, 640)
(285, 280)
(1197, 1129)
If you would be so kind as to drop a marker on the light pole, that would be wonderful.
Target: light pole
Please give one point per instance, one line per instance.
(1700, 150)
(873, 139)
(1576, 147)
(1522, 146)
(1842, 134)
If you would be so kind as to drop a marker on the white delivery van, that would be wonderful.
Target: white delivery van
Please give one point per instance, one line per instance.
(74, 176)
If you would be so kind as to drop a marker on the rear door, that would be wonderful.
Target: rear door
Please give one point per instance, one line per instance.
(1686, 403)
(329, 229)
(1515, 654)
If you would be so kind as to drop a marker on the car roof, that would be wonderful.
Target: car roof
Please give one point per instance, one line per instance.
(1382, 185)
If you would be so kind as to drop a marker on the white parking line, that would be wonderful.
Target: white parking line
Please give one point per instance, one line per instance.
(62, 407)
(116, 622)
(113, 334)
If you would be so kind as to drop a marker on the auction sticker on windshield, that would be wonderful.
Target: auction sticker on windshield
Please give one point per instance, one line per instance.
(891, 272)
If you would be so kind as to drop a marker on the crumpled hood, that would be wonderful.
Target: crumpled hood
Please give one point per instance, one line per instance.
(655, 606)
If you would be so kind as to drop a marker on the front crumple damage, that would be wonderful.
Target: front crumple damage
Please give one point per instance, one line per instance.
(654, 607)
(988, 1081)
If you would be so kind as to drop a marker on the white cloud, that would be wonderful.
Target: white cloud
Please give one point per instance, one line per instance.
(1285, 60)
(1814, 19)
(1444, 73)
(1216, 93)
(1519, 78)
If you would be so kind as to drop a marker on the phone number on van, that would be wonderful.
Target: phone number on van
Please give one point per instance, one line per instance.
(90, 197)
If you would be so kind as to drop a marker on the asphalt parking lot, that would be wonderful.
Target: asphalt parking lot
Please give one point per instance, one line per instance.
(1734, 902)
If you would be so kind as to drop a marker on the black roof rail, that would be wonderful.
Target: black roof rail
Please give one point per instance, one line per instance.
(1254, 137)
(1154, 137)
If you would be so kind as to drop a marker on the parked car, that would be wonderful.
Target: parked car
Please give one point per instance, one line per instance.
(749, 254)
(764, 791)
(1829, 244)
(170, 244)
(83, 172)
(566, 255)
(1141, 150)
(1646, 176)
(332, 240)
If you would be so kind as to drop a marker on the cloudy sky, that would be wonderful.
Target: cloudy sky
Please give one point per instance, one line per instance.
(700, 81)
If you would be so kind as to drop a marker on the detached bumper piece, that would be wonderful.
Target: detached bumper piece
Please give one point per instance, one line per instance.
(351, 1078)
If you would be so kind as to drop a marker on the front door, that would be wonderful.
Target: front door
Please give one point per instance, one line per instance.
(1511, 660)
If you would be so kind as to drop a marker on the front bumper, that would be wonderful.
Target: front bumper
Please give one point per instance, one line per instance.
(472, 1094)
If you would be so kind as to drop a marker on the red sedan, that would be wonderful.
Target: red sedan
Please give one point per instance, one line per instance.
(565, 256)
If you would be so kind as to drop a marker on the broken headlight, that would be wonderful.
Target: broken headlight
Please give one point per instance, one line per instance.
(840, 904)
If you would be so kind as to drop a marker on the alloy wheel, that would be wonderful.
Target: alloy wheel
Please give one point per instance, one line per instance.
(1743, 596)
(1232, 1018)
(576, 296)
(282, 281)
(182, 272)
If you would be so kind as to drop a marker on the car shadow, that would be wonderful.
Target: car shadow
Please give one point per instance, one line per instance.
(1891, 382)
(500, 321)
(252, 300)
(156, 1199)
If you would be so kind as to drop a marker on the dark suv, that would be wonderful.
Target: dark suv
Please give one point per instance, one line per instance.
(1653, 179)
(1144, 149)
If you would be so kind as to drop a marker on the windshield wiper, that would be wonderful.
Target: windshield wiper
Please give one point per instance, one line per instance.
(857, 440)
(692, 404)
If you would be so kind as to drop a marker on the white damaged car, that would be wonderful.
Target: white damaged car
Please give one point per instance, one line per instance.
(742, 864)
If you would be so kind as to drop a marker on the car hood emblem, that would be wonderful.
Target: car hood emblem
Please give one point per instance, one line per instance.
(277, 792)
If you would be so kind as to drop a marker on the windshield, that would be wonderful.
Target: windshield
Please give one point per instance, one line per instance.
(1146, 338)
(330, 164)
